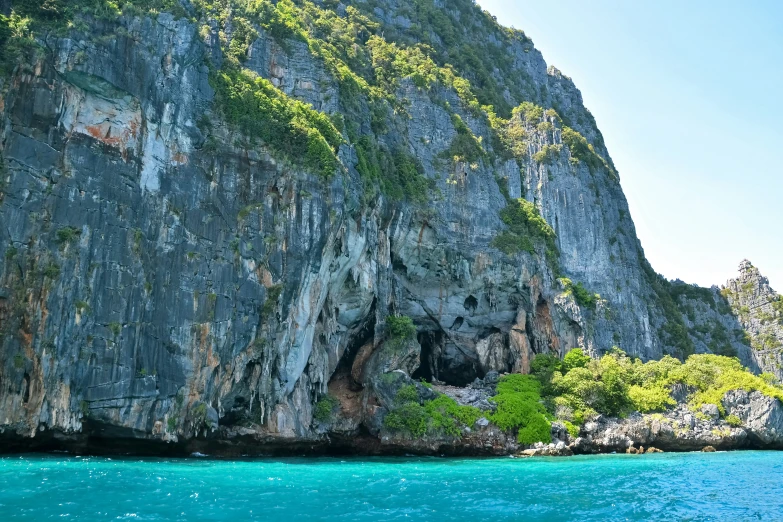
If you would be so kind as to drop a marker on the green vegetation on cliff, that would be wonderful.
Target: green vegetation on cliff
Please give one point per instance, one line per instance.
(578, 387)
(519, 408)
(460, 49)
(582, 296)
(439, 416)
(525, 227)
(673, 330)
(289, 126)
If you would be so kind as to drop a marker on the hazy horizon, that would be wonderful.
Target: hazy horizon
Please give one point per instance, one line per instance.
(686, 99)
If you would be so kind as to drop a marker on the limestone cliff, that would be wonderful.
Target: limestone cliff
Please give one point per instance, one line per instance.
(178, 265)
(759, 310)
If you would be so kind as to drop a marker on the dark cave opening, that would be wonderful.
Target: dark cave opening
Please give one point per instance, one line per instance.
(470, 304)
(445, 361)
(458, 366)
(364, 335)
(427, 369)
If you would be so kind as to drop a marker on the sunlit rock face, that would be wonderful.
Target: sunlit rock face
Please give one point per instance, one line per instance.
(163, 278)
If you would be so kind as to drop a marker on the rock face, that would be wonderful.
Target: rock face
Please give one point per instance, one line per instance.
(759, 310)
(162, 279)
(683, 430)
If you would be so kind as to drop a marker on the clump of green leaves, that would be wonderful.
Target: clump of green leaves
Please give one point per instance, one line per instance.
(398, 174)
(548, 154)
(272, 296)
(465, 147)
(525, 226)
(401, 327)
(734, 421)
(520, 408)
(583, 151)
(439, 416)
(324, 408)
(67, 235)
(577, 387)
(582, 296)
(288, 126)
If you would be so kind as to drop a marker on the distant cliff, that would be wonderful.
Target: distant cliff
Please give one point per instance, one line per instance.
(214, 216)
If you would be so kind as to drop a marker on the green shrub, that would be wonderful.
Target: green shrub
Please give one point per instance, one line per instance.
(519, 407)
(575, 358)
(583, 151)
(525, 225)
(399, 175)
(325, 407)
(734, 421)
(67, 235)
(51, 271)
(446, 416)
(531, 112)
(548, 154)
(465, 146)
(272, 297)
(401, 327)
(288, 126)
(544, 365)
(537, 429)
(410, 417)
(714, 375)
(650, 398)
(616, 384)
(572, 429)
(582, 296)
(407, 393)
(439, 416)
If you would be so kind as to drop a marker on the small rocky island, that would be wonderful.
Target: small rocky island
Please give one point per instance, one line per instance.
(372, 227)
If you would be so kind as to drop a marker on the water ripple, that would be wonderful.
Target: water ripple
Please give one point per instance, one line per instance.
(693, 487)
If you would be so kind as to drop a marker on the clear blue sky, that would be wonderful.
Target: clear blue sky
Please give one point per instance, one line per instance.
(689, 97)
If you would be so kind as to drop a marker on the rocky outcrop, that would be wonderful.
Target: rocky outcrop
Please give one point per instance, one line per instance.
(761, 416)
(166, 279)
(682, 429)
(759, 310)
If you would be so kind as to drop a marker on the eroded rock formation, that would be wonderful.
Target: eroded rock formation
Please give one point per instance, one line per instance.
(166, 279)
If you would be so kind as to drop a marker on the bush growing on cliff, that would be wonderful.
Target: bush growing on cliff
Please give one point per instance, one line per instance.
(439, 416)
(519, 407)
(582, 296)
(401, 327)
(325, 407)
(575, 358)
(288, 126)
(525, 225)
(616, 384)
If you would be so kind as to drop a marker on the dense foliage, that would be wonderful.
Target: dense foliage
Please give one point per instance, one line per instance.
(519, 408)
(616, 384)
(325, 407)
(459, 49)
(577, 388)
(525, 226)
(439, 416)
(401, 327)
(287, 125)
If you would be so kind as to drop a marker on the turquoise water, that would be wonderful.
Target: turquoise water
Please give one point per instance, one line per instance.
(694, 486)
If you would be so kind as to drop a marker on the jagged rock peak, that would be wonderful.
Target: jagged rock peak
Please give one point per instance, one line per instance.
(760, 311)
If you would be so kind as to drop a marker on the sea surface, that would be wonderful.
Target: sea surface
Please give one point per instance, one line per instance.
(671, 486)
